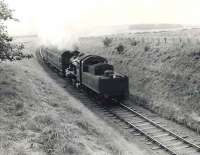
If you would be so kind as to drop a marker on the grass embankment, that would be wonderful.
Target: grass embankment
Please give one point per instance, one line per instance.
(163, 67)
(38, 116)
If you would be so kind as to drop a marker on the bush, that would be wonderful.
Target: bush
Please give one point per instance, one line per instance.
(120, 48)
(8, 50)
(146, 48)
(165, 40)
(14, 52)
(107, 41)
(133, 42)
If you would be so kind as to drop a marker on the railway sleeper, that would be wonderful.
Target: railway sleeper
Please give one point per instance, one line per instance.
(161, 135)
(122, 113)
(157, 131)
(148, 128)
(157, 122)
(125, 116)
(174, 144)
(142, 124)
(138, 121)
(180, 147)
(166, 139)
(129, 116)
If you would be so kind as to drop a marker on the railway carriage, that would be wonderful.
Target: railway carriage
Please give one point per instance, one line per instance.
(58, 59)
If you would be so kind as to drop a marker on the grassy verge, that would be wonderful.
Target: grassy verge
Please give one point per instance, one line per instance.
(38, 116)
(163, 68)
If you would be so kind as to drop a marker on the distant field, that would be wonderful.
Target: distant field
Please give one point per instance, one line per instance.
(163, 67)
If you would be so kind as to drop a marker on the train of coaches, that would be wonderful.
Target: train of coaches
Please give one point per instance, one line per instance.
(89, 71)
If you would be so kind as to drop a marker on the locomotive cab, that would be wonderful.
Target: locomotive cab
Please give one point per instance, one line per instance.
(91, 62)
(100, 77)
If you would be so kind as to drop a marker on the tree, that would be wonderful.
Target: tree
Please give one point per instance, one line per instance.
(8, 50)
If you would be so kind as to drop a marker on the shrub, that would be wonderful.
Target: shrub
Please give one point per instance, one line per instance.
(165, 40)
(120, 48)
(146, 48)
(107, 41)
(133, 42)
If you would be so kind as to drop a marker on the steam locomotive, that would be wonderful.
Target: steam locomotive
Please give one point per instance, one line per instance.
(88, 71)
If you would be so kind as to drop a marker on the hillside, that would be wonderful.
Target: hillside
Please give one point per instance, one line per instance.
(163, 67)
(39, 116)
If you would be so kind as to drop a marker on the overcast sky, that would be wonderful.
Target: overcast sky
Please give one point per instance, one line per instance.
(52, 15)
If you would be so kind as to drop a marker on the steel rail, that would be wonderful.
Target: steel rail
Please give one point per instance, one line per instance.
(146, 135)
(159, 126)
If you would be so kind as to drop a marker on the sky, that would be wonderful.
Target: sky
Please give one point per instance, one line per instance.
(55, 17)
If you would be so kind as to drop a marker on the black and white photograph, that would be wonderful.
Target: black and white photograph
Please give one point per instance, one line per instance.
(99, 77)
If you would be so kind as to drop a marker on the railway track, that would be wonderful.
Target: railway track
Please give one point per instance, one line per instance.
(157, 134)
(164, 139)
